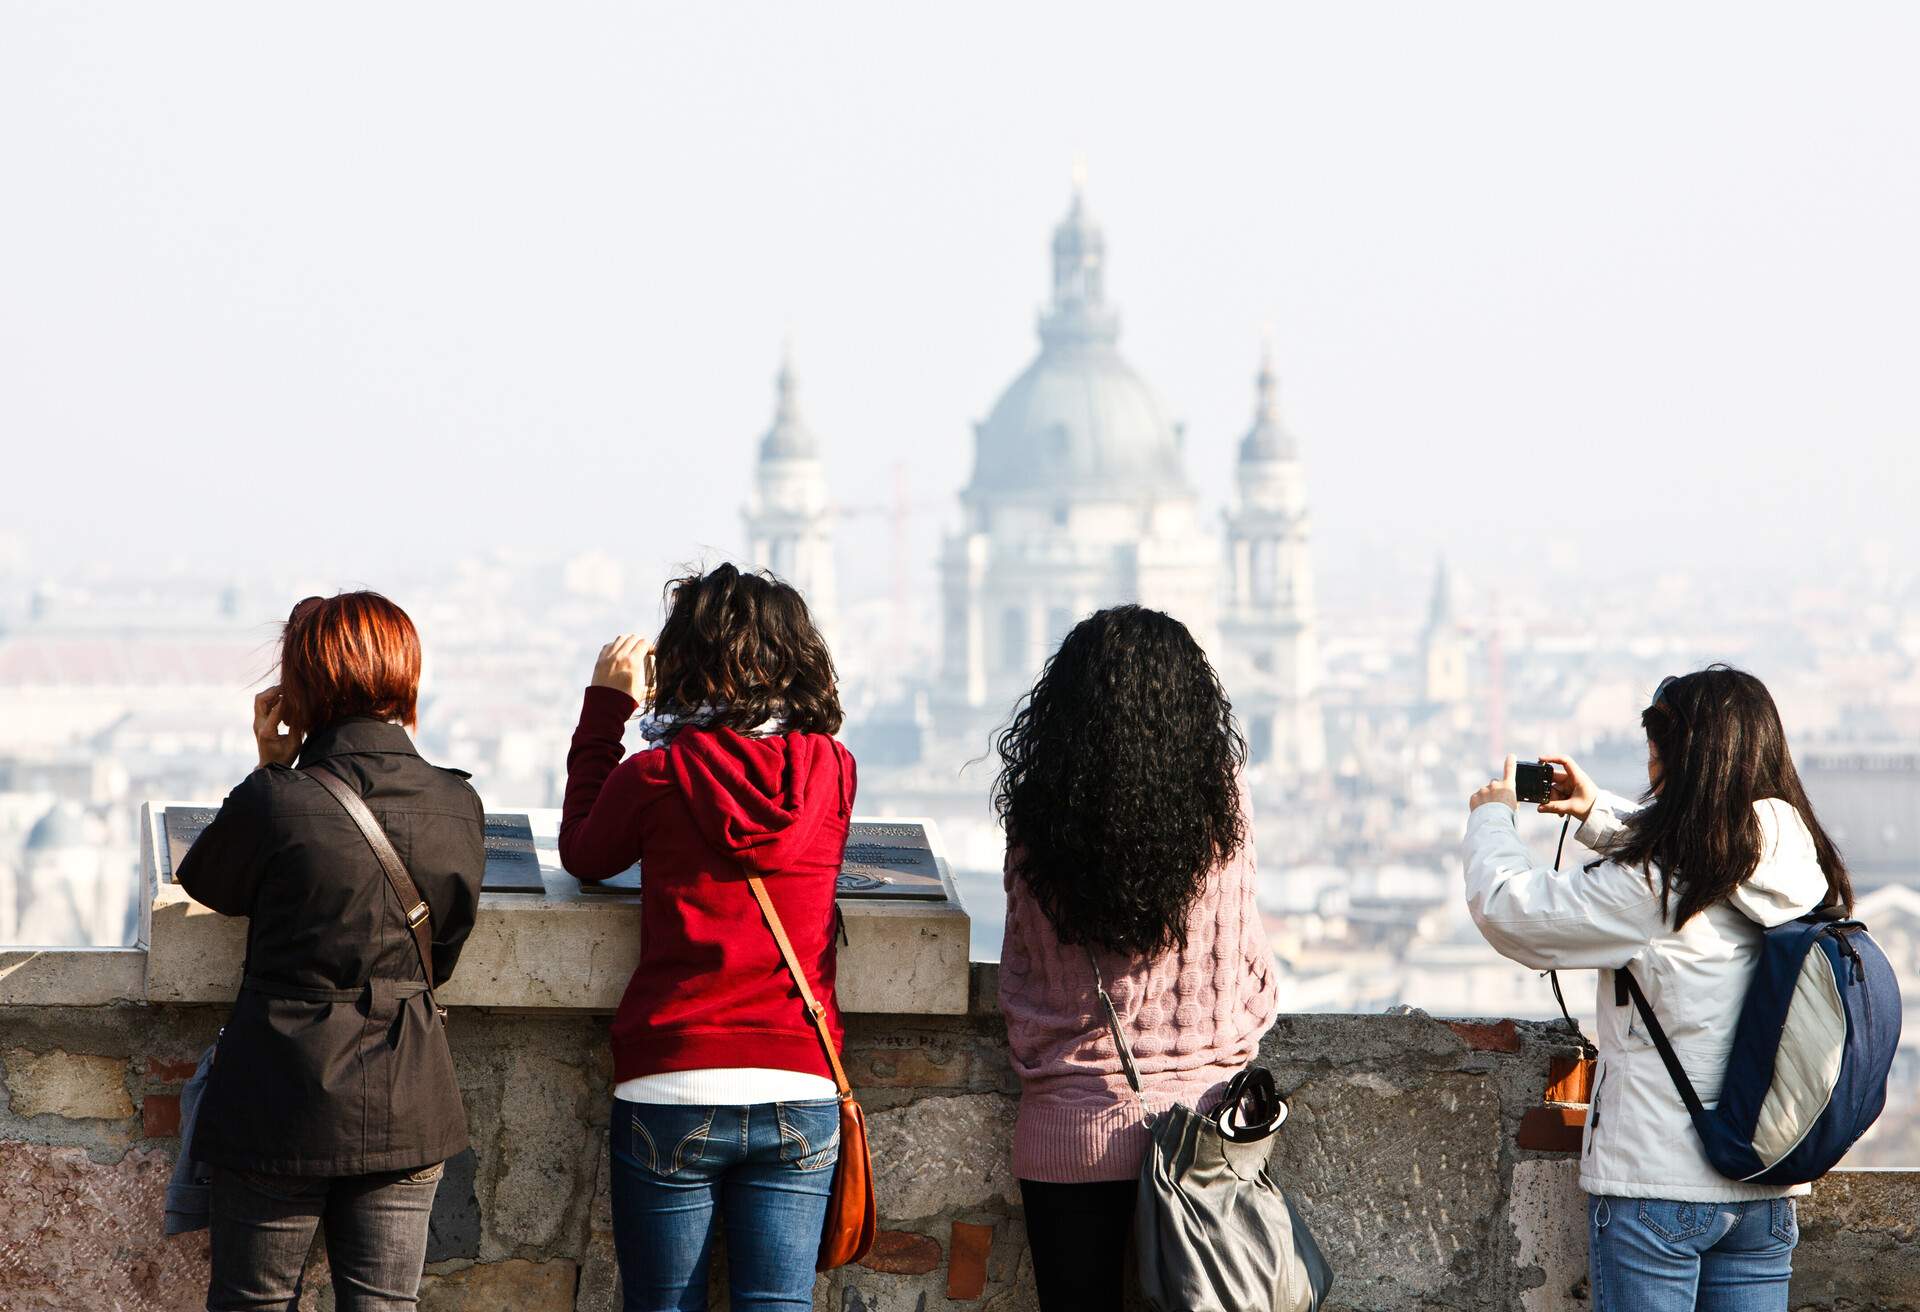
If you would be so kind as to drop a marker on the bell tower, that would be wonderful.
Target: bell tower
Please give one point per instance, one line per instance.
(1269, 619)
(788, 519)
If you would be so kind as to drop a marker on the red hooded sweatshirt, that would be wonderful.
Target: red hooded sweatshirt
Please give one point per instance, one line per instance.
(701, 814)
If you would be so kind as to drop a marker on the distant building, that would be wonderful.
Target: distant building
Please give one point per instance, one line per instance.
(1079, 499)
(1268, 630)
(1868, 800)
(67, 891)
(1443, 645)
(789, 518)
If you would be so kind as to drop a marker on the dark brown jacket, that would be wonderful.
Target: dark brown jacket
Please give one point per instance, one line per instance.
(333, 1062)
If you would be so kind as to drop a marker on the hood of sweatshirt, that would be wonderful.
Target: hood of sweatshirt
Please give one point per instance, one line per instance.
(761, 800)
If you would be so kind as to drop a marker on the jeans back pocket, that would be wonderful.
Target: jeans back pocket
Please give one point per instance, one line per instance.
(667, 1139)
(809, 1133)
(1785, 1222)
(1675, 1221)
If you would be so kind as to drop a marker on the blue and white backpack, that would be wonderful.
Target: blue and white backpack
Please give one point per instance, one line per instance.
(1807, 1074)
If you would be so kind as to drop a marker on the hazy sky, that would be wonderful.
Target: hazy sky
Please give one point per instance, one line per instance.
(336, 289)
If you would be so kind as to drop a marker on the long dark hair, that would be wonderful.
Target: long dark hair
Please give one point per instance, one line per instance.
(1722, 748)
(746, 645)
(1119, 781)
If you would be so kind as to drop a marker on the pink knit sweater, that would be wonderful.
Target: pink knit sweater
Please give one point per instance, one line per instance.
(1194, 1017)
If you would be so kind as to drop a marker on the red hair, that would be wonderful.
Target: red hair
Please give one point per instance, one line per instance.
(352, 654)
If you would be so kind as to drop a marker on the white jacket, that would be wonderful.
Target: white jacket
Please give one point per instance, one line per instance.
(1639, 1141)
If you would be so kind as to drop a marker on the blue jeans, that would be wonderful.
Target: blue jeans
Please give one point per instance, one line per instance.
(1652, 1255)
(768, 1167)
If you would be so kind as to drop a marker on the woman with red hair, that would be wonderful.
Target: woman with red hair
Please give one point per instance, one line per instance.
(358, 866)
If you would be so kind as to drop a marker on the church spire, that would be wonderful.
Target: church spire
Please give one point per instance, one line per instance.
(789, 438)
(1079, 311)
(1268, 439)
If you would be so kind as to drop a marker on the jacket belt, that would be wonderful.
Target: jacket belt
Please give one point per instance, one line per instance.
(374, 988)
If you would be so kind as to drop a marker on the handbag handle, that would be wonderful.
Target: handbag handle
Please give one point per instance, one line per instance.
(419, 915)
(815, 1010)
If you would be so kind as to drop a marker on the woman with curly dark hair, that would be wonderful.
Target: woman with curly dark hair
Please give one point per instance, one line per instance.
(724, 1103)
(1127, 838)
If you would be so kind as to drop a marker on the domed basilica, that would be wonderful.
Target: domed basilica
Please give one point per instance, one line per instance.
(1079, 498)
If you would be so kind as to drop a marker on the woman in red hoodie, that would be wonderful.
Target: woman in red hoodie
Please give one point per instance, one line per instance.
(723, 1093)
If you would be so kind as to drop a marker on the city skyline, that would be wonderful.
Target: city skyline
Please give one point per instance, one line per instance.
(1515, 337)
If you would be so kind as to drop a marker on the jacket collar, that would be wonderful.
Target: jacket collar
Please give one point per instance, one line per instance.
(355, 735)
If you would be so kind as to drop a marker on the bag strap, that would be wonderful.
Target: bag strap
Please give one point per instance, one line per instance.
(1119, 1034)
(1624, 975)
(814, 1008)
(419, 915)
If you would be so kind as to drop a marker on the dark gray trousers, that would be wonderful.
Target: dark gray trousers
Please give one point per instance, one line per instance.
(376, 1228)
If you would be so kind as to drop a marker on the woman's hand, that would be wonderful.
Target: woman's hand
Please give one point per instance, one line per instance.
(1574, 793)
(1497, 790)
(276, 748)
(626, 665)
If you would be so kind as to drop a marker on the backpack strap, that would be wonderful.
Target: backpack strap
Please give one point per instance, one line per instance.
(419, 915)
(1624, 977)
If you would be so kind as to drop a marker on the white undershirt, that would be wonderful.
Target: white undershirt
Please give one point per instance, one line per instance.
(726, 1086)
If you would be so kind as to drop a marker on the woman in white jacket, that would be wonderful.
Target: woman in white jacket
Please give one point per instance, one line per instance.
(1723, 846)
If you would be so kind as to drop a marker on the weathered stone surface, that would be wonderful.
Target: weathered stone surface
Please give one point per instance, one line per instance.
(600, 1270)
(515, 1285)
(572, 950)
(901, 1062)
(541, 1150)
(1400, 1151)
(71, 977)
(76, 1234)
(454, 1231)
(1548, 1213)
(942, 1153)
(1399, 1185)
(906, 958)
(1859, 1243)
(76, 1085)
(902, 1253)
(1010, 1271)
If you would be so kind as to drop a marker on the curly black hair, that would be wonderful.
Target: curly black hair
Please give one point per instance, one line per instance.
(1119, 782)
(747, 644)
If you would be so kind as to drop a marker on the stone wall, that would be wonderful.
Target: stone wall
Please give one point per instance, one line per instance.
(1404, 1149)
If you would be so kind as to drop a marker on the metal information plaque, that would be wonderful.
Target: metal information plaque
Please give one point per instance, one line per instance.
(886, 860)
(184, 824)
(513, 866)
(890, 859)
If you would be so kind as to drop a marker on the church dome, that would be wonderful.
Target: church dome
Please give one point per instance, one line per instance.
(62, 828)
(1079, 419)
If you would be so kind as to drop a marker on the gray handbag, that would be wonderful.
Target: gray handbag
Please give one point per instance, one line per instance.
(1213, 1231)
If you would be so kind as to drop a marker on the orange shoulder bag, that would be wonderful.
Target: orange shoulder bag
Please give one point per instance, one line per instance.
(851, 1213)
